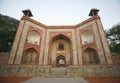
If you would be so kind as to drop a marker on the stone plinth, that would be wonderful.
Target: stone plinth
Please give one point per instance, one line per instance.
(70, 72)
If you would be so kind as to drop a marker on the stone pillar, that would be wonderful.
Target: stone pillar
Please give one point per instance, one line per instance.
(16, 42)
(21, 44)
(104, 42)
(74, 48)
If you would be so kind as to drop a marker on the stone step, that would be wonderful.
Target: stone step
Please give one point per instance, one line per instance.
(58, 72)
(57, 76)
(59, 68)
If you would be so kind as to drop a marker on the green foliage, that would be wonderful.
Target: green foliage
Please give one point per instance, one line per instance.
(113, 35)
(8, 28)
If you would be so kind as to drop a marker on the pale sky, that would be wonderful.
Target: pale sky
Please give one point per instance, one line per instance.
(63, 12)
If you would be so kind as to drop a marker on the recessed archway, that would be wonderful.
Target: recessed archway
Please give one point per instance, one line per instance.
(33, 37)
(87, 37)
(60, 45)
(90, 56)
(30, 56)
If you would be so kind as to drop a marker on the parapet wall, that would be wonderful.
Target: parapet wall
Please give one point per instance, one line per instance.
(116, 59)
(38, 71)
(4, 57)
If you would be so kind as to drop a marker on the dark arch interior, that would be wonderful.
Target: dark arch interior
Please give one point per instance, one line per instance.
(60, 61)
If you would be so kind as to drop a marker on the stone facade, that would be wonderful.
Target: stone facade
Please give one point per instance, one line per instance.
(84, 43)
(59, 51)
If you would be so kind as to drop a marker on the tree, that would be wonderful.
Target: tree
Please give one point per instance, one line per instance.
(113, 35)
(8, 26)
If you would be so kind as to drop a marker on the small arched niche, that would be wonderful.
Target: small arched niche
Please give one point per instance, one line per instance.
(90, 56)
(33, 37)
(61, 46)
(87, 37)
(30, 56)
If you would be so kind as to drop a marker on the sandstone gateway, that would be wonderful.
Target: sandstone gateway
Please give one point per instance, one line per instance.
(74, 51)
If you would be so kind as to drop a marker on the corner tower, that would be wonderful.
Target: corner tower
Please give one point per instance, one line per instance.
(92, 42)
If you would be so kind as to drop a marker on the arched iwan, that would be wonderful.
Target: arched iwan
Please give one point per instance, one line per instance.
(60, 45)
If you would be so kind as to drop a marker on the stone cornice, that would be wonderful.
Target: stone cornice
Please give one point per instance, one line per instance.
(61, 26)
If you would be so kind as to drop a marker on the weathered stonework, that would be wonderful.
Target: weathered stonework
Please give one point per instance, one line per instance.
(4, 56)
(116, 59)
(73, 34)
(70, 72)
(60, 51)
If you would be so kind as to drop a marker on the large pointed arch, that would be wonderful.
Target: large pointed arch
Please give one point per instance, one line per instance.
(60, 45)
(59, 36)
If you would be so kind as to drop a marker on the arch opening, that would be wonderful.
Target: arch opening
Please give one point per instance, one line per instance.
(60, 45)
(30, 56)
(90, 56)
(60, 61)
